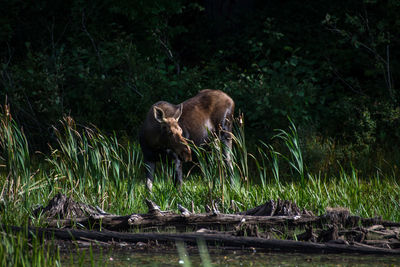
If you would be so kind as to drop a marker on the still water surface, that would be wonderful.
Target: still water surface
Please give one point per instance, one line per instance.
(227, 258)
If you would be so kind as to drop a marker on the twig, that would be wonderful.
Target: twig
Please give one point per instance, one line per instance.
(168, 52)
(93, 42)
(388, 72)
(385, 62)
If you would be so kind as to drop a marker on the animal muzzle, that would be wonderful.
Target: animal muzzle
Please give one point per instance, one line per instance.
(186, 154)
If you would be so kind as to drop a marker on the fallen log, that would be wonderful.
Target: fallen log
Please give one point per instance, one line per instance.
(197, 221)
(280, 219)
(211, 239)
(64, 212)
(182, 221)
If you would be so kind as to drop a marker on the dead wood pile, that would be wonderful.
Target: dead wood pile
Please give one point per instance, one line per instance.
(262, 227)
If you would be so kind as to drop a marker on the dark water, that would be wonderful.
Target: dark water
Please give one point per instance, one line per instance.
(225, 258)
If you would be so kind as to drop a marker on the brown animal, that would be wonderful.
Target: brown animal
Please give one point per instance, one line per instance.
(168, 128)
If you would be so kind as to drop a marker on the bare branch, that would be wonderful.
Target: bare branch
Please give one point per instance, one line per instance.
(386, 62)
(337, 74)
(168, 51)
(388, 68)
(92, 41)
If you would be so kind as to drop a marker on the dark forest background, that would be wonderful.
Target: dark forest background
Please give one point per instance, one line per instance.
(331, 66)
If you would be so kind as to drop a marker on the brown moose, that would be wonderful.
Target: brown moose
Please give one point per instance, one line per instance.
(168, 128)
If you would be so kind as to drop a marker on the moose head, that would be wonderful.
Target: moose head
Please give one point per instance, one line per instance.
(171, 132)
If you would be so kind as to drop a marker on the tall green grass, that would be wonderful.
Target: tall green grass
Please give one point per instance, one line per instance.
(89, 162)
(14, 158)
(98, 169)
(101, 170)
(17, 250)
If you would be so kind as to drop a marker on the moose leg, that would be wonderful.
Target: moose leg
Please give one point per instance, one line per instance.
(178, 172)
(150, 166)
(178, 168)
(226, 139)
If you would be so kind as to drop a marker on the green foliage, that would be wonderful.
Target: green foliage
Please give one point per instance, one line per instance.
(93, 67)
(329, 65)
(273, 97)
(370, 75)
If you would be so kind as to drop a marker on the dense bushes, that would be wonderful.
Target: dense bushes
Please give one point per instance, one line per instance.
(331, 67)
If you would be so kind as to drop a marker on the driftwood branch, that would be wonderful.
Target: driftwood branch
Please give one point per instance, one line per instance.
(211, 240)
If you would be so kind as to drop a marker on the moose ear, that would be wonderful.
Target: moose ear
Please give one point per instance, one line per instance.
(178, 112)
(159, 114)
